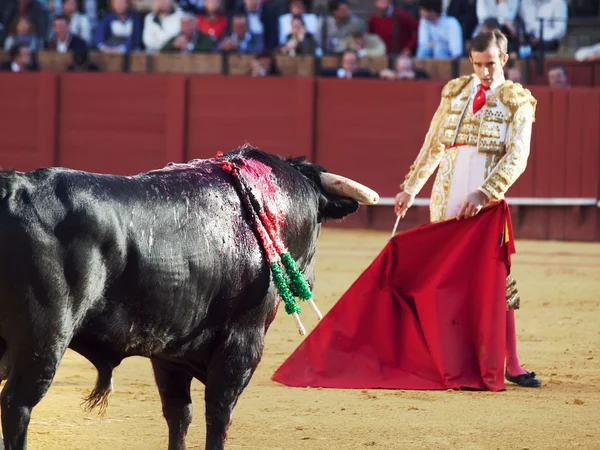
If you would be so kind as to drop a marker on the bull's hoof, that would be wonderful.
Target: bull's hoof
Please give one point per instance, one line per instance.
(525, 380)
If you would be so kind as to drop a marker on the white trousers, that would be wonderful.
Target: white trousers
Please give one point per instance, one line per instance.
(468, 175)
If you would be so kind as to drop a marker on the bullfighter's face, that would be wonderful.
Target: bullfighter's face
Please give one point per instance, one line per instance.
(488, 65)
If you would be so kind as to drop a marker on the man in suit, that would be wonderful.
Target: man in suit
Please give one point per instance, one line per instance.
(20, 59)
(348, 68)
(263, 20)
(242, 40)
(64, 41)
(189, 40)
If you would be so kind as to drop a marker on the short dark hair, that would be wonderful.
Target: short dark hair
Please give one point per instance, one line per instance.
(299, 17)
(333, 5)
(15, 50)
(60, 17)
(431, 5)
(491, 23)
(483, 41)
(557, 66)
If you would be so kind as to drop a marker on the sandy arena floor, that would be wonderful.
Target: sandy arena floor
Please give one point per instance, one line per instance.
(559, 331)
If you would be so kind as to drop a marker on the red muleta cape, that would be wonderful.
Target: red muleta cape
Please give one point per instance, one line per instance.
(428, 313)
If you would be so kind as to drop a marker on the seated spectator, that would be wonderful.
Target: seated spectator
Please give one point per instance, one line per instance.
(264, 65)
(503, 11)
(557, 76)
(63, 40)
(465, 12)
(242, 40)
(262, 20)
(513, 74)
(554, 14)
(79, 24)
(162, 24)
(297, 8)
(23, 33)
(349, 67)
(120, 30)
(382, 22)
(404, 70)
(36, 14)
(81, 62)
(190, 40)
(299, 41)
(212, 21)
(363, 43)
(410, 6)
(590, 53)
(20, 59)
(333, 29)
(440, 36)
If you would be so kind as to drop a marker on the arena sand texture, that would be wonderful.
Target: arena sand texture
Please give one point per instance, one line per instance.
(559, 331)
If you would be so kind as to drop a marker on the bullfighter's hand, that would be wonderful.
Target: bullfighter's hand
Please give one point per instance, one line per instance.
(472, 205)
(402, 202)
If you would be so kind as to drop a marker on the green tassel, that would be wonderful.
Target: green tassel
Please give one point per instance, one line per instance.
(281, 283)
(299, 286)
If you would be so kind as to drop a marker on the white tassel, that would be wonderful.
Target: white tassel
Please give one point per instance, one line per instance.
(301, 329)
(315, 309)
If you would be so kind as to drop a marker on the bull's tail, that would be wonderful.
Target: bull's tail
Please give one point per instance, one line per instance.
(98, 398)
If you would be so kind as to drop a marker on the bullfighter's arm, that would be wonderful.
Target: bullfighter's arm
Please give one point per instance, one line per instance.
(518, 141)
(430, 155)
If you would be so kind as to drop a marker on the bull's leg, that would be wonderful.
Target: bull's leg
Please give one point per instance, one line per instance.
(32, 372)
(174, 388)
(228, 374)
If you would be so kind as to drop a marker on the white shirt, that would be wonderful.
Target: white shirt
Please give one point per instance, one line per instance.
(255, 25)
(504, 12)
(447, 31)
(156, 35)
(63, 47)
(15, 67)
(311, 22)
(554, 13)
(80, 26)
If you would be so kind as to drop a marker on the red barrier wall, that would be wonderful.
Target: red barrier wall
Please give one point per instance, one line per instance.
(368, 130)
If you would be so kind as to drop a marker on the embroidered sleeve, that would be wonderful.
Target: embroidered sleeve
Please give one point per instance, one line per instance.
(513, 163)
(430, 155)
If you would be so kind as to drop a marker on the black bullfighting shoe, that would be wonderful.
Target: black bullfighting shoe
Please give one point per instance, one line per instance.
(525, 380)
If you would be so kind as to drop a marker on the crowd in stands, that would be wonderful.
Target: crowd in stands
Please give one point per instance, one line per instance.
(402, 29)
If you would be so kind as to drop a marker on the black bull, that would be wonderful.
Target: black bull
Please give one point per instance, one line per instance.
(165, 264)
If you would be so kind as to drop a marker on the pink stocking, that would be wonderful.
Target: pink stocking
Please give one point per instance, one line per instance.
(512, 360)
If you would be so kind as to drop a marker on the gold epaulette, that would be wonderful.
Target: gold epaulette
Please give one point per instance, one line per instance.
(514, 95)
(454, 87)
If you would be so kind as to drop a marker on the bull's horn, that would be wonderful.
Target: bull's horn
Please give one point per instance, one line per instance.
(345, 187)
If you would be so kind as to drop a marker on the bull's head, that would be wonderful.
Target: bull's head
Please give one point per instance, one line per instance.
(339, 196)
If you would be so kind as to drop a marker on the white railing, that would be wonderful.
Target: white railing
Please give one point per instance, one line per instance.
(521, 201)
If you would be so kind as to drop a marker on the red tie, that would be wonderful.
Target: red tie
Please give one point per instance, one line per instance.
(479, 99)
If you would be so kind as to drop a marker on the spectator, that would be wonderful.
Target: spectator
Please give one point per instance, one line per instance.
(590, 53)
(120, 30)
(23, 33)
(20, 59)
(190, 40)
(557, 76)
(262, 20)
(363, 43)
(504, 11)
(514, 74)
(349, 67)
(410, 6)
(333, 29)
(297, 8)
(162, 24)
(264, 65)
(81, 62)
(63, 40)
(440, 36)
(404, 70)
(212, 21)
(242, 40)
(465, 11)
(382, 22)
(554, 15)
(79, 24)
(299, 41)
(33, 10)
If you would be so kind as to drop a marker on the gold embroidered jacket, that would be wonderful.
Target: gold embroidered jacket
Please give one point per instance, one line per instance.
(501, 130)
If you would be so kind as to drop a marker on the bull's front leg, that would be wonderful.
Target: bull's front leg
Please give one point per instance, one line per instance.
(230, 370)
(174, 388)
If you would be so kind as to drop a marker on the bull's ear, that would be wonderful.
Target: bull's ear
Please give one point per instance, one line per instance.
(335, 207)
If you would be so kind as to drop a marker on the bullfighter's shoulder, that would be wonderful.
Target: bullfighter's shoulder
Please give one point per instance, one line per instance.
(455, 87)
(514, 95)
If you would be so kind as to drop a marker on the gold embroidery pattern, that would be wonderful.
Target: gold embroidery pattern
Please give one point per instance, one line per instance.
(493, 116)
(513, 301)
(488, 146)
(490, 131)
(513, 163)
(514, 96)
(454, 87)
